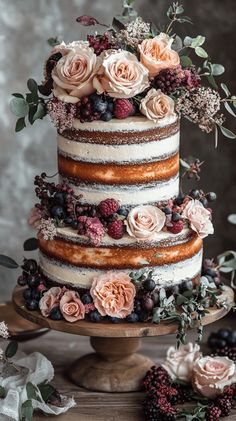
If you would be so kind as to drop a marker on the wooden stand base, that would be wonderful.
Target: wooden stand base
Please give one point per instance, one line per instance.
(115, 367)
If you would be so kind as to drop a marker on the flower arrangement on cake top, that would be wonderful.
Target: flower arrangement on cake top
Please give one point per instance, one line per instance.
(133, 68)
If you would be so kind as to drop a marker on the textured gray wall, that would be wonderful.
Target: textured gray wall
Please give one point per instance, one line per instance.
(25, 26)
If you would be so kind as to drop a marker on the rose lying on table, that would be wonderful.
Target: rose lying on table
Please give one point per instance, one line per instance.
(186, 375)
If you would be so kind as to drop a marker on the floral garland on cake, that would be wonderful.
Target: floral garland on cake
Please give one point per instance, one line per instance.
(132, 68)
(187, 376)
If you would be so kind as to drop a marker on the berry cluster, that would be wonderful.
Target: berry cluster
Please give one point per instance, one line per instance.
(204, 198)
(100, 43)
(223, 343)
(211, 272)
(101, 107)
(174, 221)
(170, 80)
(33, 279)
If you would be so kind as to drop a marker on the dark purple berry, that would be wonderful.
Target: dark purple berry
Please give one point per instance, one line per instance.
(211, 272)
(56, 314)
(95, 316)
(68, 220)
(33, 281)
(32, 305)
(179, 200)
(123, 211)
(115, 319)
(223, 333)
(167, 211)
(99, 106)
(149, 284)
(110, 106)
(148, 303)
(86, 298)
(74, 224)
(30, 266)
(35, 295)
(176, 217)
(132, 318)
(185, 286)
(211, 196)
(204, 201)
(21, 280)
(155, 298)
(58, 212)
(27, 294)
(107, 116)
(194, 194)
(59, 198)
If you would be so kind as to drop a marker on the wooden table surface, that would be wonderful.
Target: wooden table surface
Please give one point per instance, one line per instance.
(62, 349)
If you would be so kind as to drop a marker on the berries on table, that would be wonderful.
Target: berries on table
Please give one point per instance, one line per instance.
(115, 229)
(108, 207)
(33, 281)
(95, 316)
(195, 194)
(225, 405)
(27, 294)
(123, 108)
(176, 227)
(213, 413)
(56, 314)
(115, 320)
(32, 304)
(86, 298)
(132, 318)
(21, 280)
(148, 303)
(30, 266)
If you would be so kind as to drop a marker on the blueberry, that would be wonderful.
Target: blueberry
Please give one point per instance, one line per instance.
(29, 266)
(27, 294)
(74, 224)
(33, 281)
(68, 220)
(58, 212)
(123, 211)
(132, 318)
(176, 216)
(35, 295)
(107, 116)
(138, 306)
(110, 106)
(32, 304)
(167, 211)
(143, 316)
(21, 280)
(194, 194)
(100, 106)
(211, 196)
(148, 303)
(223, 333)
(95, 316)
(59, 198)
(56, 314)
(204, 201)
(215, 342)
(86, 298)
(211, 272)
(179, 200)
(149, 284)
(231, 340)
(115, 319)
(185, 286)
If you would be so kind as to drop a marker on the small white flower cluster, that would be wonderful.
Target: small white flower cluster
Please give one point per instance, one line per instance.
(4, 333)
(47, 229)
(138, 29)
(1, 354)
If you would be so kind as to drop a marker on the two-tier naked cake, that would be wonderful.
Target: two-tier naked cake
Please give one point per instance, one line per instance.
(118, 238)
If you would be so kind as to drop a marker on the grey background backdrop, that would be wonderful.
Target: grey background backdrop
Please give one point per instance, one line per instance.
(25, 25)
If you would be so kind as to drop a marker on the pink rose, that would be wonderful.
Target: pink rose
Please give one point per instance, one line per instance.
(156, 54)
(121, 75)
(72, 307)
(156, 105)
(199, 218)
(144, 221)
(179, 362)
(50, 299)
(74, 72)
(113, 294)
(211, 375)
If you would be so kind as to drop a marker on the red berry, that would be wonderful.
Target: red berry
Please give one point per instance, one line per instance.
(176, 227)
(108, 207)
(213, 413)
(116, 229)
(123, 108)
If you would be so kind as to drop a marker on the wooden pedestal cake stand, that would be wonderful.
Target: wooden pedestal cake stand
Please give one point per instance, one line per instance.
(114, 366)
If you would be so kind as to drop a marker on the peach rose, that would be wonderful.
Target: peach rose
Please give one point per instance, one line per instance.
(199, 218)
(74, 72)
(72, 307)
(121, 75)
(35, 216)
(50, 299)
(144, 221)
(156, 54)
(179, 362)
(156, 105)
(113, 294)
(211, 375)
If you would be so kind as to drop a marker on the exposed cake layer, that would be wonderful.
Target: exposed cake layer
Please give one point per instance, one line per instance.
(135, 161)
(68, 260)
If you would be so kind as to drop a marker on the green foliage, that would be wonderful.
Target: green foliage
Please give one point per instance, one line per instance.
(8, 262)
(31, 390)
(53, 41)
(31, 244)
(46, 391)
(227, 264)
(175, 14)
(27, 411)
(19, 106)
(2, 392)
(11, 349)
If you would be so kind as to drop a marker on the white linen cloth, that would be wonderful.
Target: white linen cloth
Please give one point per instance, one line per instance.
(36, 369)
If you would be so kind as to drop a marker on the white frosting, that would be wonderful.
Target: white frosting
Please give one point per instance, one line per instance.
(136, 123)
(128, 153)
(171, 274)
(128, 195)
(126, 240)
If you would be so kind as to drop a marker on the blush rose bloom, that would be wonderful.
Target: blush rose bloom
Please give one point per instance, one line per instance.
(211, 375)
(50, 299)
(179, 362)
(156, 54)
(113, 294)
(74, 72)
(199, 218)
(72, 307)
(156, 105)
(144, 221)
(121, 75)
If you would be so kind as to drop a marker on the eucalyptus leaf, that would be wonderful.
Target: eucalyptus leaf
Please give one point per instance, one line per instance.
(179, 10)
(232, 218)
(216, 135)
(188, 41)
(198, 41)
(40, 112)
(217, 69)
(118, 23)
(8, 262)
(201, 52)
(212, 81)
(46, 391)
(227, 133)
(177, 44)
(11, 349)
(19, 107)
(225, 89)
(184, 164)
(229, 109)
(32, 111)
(20, 124)
(27, 410)
(2, 392)
(154, 30)
(32, 86)
(18, 95)
(31, 391)
(31, 244)
(186, 61)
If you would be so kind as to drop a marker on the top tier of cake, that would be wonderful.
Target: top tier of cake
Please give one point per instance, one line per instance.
(135, 161)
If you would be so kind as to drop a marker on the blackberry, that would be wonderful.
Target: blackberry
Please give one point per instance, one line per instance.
(225, 405)
(184, 393)
(85, 111)
(213, 413)
(226, 352)
(154, 377)
(169, 80)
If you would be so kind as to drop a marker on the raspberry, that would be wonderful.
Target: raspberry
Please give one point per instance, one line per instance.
(108, 207)
(155, 377)
(100, 43)
(123, 108)
(225, 405)
(116, 229)
(176, 227)
(213, 413)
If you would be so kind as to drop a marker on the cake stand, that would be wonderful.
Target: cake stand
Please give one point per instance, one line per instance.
(114, 366)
